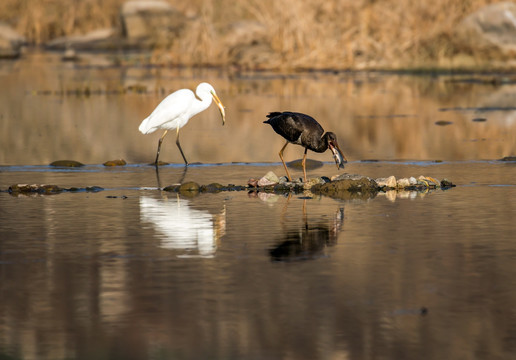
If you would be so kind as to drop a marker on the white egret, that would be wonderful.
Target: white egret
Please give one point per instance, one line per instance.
(175, 111)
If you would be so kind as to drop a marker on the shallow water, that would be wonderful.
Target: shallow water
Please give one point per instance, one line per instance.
(133, 272)
(87, 112)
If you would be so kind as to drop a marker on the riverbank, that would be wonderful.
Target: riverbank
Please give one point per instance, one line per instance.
(284, 36)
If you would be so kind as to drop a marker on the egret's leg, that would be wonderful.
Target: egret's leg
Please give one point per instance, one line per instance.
(179, 146)
(157, 177)
(304, 164)
(159, 147)
(283, 161)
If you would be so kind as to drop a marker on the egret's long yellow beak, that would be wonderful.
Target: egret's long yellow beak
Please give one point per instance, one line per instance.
(220, 106)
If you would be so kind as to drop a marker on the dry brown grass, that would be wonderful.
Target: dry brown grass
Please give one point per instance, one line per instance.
(303, 33)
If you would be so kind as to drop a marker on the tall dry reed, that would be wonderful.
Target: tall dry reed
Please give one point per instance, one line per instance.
(303, 33)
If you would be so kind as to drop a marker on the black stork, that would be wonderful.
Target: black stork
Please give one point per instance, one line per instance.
(304, 130)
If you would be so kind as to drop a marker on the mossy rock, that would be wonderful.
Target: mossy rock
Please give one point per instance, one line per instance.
(347, 187)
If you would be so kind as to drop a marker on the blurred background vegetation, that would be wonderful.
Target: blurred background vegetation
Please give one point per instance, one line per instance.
(330, 34)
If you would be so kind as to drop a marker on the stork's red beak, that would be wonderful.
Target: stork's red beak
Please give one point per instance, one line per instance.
(339, 157)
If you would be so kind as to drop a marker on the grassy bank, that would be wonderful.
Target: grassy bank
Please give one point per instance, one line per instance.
(301, 33)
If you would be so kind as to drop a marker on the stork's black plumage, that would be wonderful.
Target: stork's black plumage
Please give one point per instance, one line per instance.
(304, 130)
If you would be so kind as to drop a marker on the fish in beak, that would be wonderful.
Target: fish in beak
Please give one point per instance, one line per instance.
(339, 157)
(220, 106)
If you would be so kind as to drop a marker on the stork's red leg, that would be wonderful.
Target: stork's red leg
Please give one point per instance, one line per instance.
(283, 161)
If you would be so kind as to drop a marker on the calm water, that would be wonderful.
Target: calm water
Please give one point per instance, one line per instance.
(133, 272)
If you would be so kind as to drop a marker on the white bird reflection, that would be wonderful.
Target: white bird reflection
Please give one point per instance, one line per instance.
(195, 232)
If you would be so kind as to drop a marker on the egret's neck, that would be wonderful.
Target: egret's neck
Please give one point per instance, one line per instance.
(203, 104)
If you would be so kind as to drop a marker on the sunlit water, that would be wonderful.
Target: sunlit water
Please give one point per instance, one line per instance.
(134, 272)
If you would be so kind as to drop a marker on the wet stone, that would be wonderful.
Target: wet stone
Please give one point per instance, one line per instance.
(311, 182)
(45, 189)
(160, 163)
(118, 162)
(66, 163)
(189, 186)
(508, 158)
(347, 183)
(34, 188)
(212, 188)
(429, 181)
(402, 183)
(269, 179)
(389, 182)
(172, 188)
(443, 123)
(446, 184)
(252, 182)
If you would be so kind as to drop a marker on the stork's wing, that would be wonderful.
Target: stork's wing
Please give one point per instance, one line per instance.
(291, 125)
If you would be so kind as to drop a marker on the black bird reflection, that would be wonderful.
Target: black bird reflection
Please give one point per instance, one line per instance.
(310, 241)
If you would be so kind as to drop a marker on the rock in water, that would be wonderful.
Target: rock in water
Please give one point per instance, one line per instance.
(118, 162)
(269, 179)
(66, 163)
(403, 183)
(389, 182)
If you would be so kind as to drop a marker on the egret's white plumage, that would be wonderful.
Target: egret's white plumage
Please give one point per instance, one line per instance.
(177, 108)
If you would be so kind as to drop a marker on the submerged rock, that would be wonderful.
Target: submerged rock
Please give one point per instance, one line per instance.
(443, 122)
(45, 189)
(66, 163)
(160, 163)
(212, 188)
(445, 184)
(118, 162)
(508, 158)
(34, 188)
(189, 186)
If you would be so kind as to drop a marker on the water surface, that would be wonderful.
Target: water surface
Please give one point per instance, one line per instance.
(134, 272)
